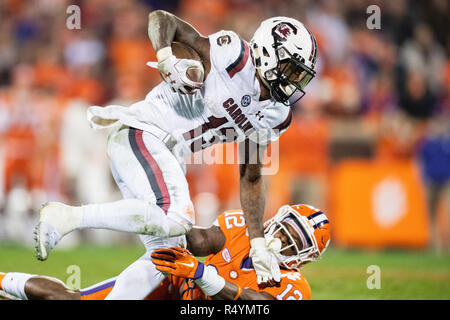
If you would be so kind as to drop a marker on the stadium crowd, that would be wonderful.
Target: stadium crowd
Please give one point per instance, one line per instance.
(379, 94)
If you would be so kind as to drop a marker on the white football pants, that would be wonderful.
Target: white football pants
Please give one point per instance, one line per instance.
(145, 170)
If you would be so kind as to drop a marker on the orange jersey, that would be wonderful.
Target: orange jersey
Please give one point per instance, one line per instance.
(234, 264)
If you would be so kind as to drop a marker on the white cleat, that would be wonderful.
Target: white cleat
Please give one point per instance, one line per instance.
(56, 220)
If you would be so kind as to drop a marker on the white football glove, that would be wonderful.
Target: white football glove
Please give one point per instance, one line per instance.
(265, 262)
(174, 71)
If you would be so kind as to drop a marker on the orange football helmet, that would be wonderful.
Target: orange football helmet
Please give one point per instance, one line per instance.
(312, 228)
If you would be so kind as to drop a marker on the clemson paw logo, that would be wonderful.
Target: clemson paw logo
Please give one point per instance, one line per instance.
(233, 275)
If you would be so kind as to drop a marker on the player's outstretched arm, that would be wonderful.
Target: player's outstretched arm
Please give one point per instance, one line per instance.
(252, 193)
(26, 286)
(44, 288)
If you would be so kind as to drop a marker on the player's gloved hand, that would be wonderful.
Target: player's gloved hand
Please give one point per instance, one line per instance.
(265, 262)
(174, 71)
(178, 262)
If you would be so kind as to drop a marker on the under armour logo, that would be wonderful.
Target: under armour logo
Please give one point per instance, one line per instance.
(259, 115)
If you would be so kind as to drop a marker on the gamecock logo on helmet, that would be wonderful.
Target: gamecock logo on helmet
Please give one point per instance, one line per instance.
(282, 30)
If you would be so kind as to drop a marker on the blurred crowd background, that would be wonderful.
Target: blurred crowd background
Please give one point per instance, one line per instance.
(369, 143)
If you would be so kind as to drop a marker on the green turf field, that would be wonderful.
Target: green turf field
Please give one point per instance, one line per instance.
(341, 274)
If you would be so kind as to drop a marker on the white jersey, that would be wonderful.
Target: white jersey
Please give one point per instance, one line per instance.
(225, 109)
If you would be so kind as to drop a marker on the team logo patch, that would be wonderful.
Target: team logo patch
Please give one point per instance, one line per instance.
(246, 100)
(233, 275)
(223, 40)
(226, 255)
(282, 30)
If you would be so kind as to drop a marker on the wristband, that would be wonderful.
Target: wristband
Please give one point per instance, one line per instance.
(238, 294)
(164, 53)
(258, 242)
(210, 283)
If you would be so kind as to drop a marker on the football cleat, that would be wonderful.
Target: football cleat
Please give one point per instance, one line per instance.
(56, 220)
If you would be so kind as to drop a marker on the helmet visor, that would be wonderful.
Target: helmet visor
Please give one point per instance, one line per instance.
(292, 77)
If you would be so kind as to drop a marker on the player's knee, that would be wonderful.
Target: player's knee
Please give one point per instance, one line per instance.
(179, 228)
(176, 221)
(181, 220)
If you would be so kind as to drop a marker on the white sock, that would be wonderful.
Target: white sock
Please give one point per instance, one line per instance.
(14, 283)
(129, 215)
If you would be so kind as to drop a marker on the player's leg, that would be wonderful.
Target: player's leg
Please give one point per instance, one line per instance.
(155, 178)
(141, 278)
(161, 204)
(27, 286)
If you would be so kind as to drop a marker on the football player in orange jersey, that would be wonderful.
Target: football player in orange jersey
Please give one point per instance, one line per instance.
(297, 235)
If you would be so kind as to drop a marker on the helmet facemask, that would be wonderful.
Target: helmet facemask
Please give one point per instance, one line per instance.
(295, 253)
(287, 82)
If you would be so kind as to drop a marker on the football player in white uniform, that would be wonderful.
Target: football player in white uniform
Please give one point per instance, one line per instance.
(245, 97)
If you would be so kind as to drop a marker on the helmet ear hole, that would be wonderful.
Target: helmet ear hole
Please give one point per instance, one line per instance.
(265, 52)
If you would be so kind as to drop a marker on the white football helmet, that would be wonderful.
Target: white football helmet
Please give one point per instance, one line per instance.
(284, 53)
(306, 233)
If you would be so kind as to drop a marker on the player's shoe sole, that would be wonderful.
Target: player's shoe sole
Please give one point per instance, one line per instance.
(42, 236)
(55, 220)
(45, 236)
